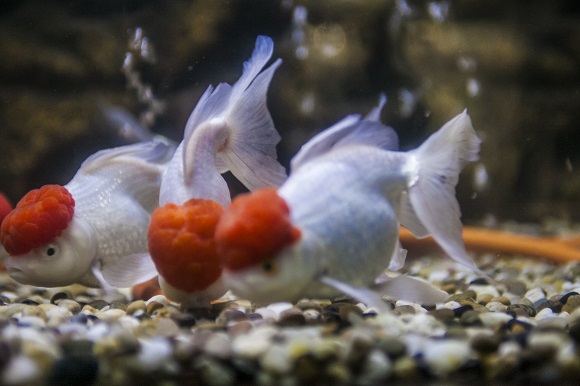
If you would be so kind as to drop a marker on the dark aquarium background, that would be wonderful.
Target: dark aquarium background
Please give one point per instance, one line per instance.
(64, 92)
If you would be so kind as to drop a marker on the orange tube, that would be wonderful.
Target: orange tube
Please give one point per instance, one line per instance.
(494, 241)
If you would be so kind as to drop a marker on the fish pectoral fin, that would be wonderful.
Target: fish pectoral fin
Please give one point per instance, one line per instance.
(129, 270)
(411, 289)
(367, 296)
(398, 258)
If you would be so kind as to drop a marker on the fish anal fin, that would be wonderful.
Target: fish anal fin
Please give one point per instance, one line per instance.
(129, 270)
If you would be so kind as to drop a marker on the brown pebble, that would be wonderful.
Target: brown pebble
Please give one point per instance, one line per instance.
(153, 306)
(392, 346)
(485, 343)
(484, 299)
(503, 300)
(60, 295)
(443, 314)
(306, 369)
(470, 319)
(98, 304)
(69, 304)
(516, 287)
(230, 315)
(306, 304)
(571, 304)
(347, 309)
(118, 306)
(292, 317)
(137, 305)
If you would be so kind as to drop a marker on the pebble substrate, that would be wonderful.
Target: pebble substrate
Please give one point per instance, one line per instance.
(524, 328)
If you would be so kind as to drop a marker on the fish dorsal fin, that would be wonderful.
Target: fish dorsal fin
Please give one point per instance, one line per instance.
(350, 130)
(152, 152)
(38, 218)
(239, 125)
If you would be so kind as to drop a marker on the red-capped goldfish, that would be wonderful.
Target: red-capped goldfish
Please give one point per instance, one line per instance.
(229, 129)
(333, 225)
(93, 230)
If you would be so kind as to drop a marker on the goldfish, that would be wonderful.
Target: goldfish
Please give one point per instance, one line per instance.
(229, 129)
(93, 230)
(333, 226)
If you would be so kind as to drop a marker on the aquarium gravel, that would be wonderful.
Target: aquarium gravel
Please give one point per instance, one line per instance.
(525, 327)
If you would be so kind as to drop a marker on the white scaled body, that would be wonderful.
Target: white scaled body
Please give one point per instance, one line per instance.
(347, 200)
(105, 243)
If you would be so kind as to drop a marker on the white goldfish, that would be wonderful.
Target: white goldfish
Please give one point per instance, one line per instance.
(229, 129)
(93, 230)
(333, 225)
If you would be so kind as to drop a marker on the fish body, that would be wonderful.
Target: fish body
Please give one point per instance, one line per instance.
(229, 129)
(345, 200)
(93, 230)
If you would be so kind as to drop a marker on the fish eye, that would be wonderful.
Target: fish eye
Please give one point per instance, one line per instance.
(51, 250)
(269, 267)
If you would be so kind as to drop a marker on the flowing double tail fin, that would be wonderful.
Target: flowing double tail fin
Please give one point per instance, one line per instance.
(237, 119)
(430, 207)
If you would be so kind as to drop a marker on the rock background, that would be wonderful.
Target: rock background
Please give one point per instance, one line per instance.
(514, 65)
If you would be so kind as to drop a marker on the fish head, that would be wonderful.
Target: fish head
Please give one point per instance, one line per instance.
(182, 246)
(260, 249)
(46, 244)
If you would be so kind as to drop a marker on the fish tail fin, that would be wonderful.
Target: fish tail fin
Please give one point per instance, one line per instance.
(237, 119)
(435, 168)
(250, 152)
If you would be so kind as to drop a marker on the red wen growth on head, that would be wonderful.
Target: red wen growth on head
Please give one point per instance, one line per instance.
(255, 228)
(181, 243)
(39, 217)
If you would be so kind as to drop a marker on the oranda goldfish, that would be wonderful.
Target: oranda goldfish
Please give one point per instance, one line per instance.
(229, 129)
(93, 230)
(333, 226)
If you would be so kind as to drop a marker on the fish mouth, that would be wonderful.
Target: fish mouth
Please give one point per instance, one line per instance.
(13, 271)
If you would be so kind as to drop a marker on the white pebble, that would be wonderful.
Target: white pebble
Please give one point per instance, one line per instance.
(446, 356)
(280, 307)
(481, 290)
(426, 325)
(277, 360)
(376, 368)
(253, 344)
(449, 305)
(543, 314)
(535, 294)
(218, 345)
(32, 321)
(154, 353)
(21, 370)
(266, 313)
(496, 306)
(110, 315)
(161, 299)
(509, 348)
(494, 319)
